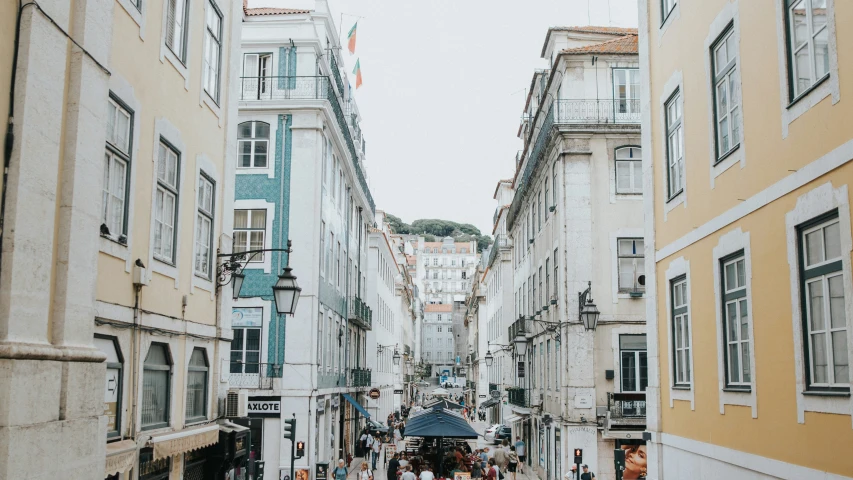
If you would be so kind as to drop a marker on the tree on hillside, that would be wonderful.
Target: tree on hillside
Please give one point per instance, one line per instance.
(434, 229)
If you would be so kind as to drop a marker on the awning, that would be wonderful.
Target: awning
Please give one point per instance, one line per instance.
(489, 403)
(229, 427)
(176, 443)
(357, 406)
(438, 422)
(121, 457)
(445, 404)
(512, 419)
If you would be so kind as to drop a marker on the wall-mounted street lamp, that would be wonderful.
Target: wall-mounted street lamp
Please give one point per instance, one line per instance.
(587, 311)
(286, 291)
(519, 342)
(394, 358)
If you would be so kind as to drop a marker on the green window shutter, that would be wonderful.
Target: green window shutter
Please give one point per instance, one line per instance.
(283, 53)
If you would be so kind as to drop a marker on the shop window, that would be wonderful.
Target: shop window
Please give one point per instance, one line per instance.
(155, 387)
(197, 387)
(112, 390)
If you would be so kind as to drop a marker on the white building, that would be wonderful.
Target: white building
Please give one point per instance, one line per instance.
(300, 177)
(575, 223)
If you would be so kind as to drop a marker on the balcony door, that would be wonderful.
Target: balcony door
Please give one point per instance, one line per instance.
(626, 94)
(634, 372)
(245, 354)
(257, 73)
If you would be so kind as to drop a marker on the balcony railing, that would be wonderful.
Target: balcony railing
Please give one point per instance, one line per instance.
(597, 111)
(520, 397)
(360, 313)
(626, 411)
(253, 375)
(307, 88)
(359, 377)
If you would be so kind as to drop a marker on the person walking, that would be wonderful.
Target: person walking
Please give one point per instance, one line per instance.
(586, 474)
(398, 437)
(521, 450)
(512, 457)
(365, 473)
(376, 447)
(501, 458)
(340, 472)
(393, 466)
(492, 472)
(426, 473)
(361, 448)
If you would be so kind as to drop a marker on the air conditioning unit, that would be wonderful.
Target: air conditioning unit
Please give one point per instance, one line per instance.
(601, 411)
(237, 403)
(639, 283)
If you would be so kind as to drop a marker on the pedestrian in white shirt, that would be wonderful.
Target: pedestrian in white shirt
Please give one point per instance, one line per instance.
(427, 474)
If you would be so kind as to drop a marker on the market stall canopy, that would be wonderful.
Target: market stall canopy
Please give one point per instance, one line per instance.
(444, 403)
(439, 422)
(440, 392)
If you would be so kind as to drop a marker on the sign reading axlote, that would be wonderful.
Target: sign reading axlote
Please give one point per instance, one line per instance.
(264, 406)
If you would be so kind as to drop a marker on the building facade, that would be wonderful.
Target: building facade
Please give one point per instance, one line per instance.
(300, 178)
(116, 308)
(448, 266)
(748, 221)
(576, 231)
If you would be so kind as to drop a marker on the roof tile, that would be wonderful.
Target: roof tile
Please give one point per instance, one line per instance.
(251, 12)
(625, 45)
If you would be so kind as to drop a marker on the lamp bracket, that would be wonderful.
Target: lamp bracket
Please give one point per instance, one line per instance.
(235, 262)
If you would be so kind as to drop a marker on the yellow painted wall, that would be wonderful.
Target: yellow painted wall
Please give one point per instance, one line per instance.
(8, 20)
(160, 89)
(819, 442)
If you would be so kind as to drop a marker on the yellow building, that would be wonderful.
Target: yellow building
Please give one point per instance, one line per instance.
(119, 195)
(747, 115)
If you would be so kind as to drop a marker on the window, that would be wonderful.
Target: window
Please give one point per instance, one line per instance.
(249, 231)
(116, 164)
(155, 387)
(197, 386)
(204, 227)
(547, 209)
(808, 44)
(257, 72)
(533, 298)
(212, 50)
(674, 145)
(822, 290)
(554, 185)
(246, 350)
(629, 170)
(439, 329)
(547, 280)
(735, 321)
(666, 8)
(166, 204)
(252, 144)
(540, 288)
(112, 391)
(634, 365)
(726, 93)
(680, 333)
(626, 93)
(631, 264)
(539, 203)
(555, 273)
(177, 13)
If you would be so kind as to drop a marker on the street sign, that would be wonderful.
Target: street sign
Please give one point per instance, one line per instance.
(398, 392)
(482, 396)
(495, 394)
(374, 393)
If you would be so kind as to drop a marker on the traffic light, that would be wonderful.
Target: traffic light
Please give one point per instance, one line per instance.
(300, 449)
(578, 455)
(290, 429)
(619, 459)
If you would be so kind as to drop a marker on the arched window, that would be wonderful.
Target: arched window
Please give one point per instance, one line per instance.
(629, 170)
(253, 140)
(155, 387)
(197, 387)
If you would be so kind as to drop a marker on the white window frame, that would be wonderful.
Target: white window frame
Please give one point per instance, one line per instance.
(635, 169)
(118, 154)
(745, 394)
(808, 45)
(736, 378)
(177, 27)
(666, 7)
(809, 276)
(205, 209)
(168, 368)
(674, 122)
(679, 270)
(167, 189)
(247, 245)
(637, 253)
(253, 141)
(726, 78)
(637, 367)
(264, 263)
(212, 63)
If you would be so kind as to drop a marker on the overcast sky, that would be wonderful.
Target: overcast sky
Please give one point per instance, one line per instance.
(444, 87)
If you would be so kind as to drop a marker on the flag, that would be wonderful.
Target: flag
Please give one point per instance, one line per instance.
(351, 38)
(357, 72)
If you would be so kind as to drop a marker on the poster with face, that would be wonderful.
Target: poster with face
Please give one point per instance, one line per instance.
(303, 474)
(635, 459)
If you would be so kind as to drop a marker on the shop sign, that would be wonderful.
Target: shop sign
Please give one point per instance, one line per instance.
(321, 471)
(375, 393)
(482, 396)
(111, 398)
(398, 391)
(321, 404)
(247, 317)
(264, 406)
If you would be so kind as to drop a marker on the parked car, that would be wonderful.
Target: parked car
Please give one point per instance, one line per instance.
(376, 427)
(489, 435)
(505, 432)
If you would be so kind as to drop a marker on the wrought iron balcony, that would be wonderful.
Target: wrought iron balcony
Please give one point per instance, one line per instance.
(597, 111)
(520, 397)
(360, 313)
(308, 88)
(626, 411)
(253, 375)
(359, 377)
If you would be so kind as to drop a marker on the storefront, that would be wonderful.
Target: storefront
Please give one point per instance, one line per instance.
(231, 454)
(120, 459)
